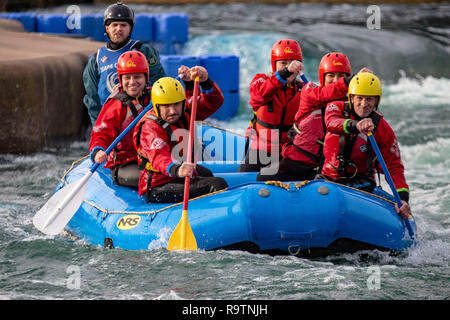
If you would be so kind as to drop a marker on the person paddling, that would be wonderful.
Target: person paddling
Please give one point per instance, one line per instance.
(120, 109)
(349, 157)
(302, 155)
(161, 138)
(274, 99)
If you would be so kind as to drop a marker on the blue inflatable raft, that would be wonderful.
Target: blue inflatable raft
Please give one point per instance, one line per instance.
(299, 218)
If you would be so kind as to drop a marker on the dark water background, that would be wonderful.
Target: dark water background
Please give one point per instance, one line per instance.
(410, 53)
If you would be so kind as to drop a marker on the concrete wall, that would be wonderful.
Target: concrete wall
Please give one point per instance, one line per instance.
(41, 88)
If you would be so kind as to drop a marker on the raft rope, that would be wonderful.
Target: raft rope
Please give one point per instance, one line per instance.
(152, 212)
(287, 186)
(301, 184)
(217, 127)
(366, 192)
(63, 179)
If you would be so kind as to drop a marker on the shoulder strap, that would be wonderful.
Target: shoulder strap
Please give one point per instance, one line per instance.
(145, 164)
(137, 45)
(164, 124)
(376, 118)
(270, 106)
(126, 100)
(299, 84)
(347, 110)
(346, 143)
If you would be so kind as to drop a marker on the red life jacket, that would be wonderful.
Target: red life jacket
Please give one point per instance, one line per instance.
(273, 119)
(150, 176)
(153, 139)
(308, 131)
(118, 112)
(350, 154)
(354, 156)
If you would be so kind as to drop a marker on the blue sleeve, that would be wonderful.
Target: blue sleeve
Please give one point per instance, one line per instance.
(90, 79)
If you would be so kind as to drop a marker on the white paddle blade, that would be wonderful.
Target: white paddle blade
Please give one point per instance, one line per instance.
(60, 208)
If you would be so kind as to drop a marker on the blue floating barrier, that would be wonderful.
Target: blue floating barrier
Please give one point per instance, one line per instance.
(229, 108)
(171, 27)
(27, 19)
(171, 63)
(96, 31)
(144, 27)
(224, 69)
(52, 23)
(85, 27)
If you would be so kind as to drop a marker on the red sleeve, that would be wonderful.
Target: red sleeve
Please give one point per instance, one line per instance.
(334, 120)
(315, 97)
(155, 147)
(263, 88)
(209, 101)
(388, 144)
(108, 125)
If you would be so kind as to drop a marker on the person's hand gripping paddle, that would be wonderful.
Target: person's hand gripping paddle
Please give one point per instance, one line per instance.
(60, 208)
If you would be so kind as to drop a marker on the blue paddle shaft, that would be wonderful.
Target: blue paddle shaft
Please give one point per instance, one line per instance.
(389, 180)
(303, 77)
(123, 134)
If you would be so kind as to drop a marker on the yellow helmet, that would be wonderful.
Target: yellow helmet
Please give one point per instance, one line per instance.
(365, 84)
(167, 90)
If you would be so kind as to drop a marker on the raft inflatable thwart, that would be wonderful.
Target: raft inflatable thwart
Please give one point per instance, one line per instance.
(298, 218)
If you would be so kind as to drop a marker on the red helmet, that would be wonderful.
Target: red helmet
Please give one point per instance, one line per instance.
(333, 62)
(286, 49)
(132, 62)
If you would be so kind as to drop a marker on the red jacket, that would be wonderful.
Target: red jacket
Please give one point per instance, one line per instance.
(338, 125)
(154, 143)
(114, 117)
(274, 104)
(309, 121)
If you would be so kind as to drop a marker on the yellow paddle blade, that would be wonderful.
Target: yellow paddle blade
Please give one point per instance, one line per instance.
(182, 237)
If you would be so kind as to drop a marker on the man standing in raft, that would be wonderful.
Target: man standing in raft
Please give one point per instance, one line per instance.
(349, 157)
(118, 112)
(159, 135)
(100, 73)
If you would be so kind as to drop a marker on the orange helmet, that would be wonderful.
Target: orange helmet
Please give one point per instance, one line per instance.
(132, 62)
(333, 62)
(286, 49)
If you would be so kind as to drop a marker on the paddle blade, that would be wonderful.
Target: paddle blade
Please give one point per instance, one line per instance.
(60, 208)
(182, 237)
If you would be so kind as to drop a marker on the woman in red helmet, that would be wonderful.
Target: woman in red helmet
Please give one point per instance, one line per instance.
(302, 156)
(117, 113)
(274, 99)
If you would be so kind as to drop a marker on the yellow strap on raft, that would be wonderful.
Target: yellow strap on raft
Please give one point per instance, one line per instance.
(287, 185)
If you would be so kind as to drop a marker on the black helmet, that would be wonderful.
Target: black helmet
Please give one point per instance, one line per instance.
(118, 12)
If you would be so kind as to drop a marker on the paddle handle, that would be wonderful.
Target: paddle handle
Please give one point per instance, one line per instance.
(189, 158)
(303, 77)
(389, 180)
(123, 134)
